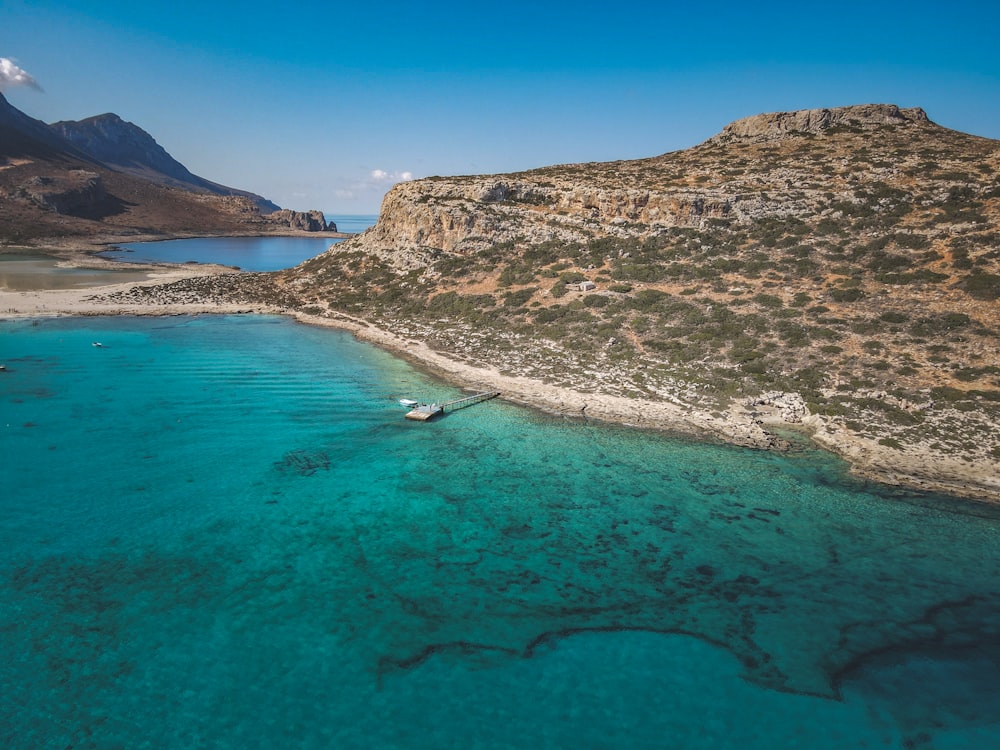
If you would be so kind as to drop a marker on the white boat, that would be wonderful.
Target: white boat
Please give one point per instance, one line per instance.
(98, 344)
(408, 402)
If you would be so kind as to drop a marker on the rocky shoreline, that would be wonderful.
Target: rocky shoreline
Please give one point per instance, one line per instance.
(750, 422)
(744, 424)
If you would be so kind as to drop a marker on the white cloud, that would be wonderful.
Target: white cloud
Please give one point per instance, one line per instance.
(11, 75)
(369, 187)
(380, 176)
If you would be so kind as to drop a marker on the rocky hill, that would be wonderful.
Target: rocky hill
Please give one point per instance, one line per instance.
(835, 268)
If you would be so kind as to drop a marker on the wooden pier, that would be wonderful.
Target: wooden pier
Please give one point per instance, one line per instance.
(425, 412)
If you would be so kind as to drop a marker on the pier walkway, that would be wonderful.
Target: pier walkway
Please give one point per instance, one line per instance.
(425, 412)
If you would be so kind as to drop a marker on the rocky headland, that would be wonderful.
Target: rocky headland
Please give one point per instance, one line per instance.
(834, 271)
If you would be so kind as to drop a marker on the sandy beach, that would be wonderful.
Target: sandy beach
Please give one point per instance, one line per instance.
(743, 424)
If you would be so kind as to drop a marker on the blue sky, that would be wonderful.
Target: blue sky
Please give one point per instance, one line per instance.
(325, 104)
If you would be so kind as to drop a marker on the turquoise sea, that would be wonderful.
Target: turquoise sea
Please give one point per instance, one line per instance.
(220, 532)
(353, 223)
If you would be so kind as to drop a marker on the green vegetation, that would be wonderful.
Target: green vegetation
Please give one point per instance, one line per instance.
(982, 285)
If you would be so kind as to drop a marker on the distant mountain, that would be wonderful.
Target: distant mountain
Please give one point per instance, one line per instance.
(104, 176)
(22, 136)
(126, 147)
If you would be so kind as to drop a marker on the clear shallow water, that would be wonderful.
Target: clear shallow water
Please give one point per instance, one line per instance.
(222, 532)
(247, 253)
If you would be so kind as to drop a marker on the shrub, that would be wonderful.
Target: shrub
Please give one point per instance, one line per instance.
(744, 355)
(911, 241)
(768, 300)
(891, 316)
(938, 324)
(985, 286)
(887, 262)
(516, 299)
(846, 295)
(647, 298)
(923, 274)
(551, 314)
(949, 394)
(967, 374)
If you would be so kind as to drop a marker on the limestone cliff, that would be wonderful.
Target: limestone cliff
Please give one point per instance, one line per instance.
(463, 215)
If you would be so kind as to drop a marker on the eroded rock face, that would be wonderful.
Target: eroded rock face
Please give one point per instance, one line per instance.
(465, 215)
(777, 125)
(74, 193)
(306, 221)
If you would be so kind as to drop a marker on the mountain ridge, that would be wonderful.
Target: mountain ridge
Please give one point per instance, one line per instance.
(126, 147)
(23, 136)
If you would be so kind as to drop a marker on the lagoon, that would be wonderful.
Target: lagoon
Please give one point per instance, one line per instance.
(245, 253)
(220, 531)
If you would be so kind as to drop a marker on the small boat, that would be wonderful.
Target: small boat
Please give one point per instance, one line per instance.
(98, 344)
(408, 402)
